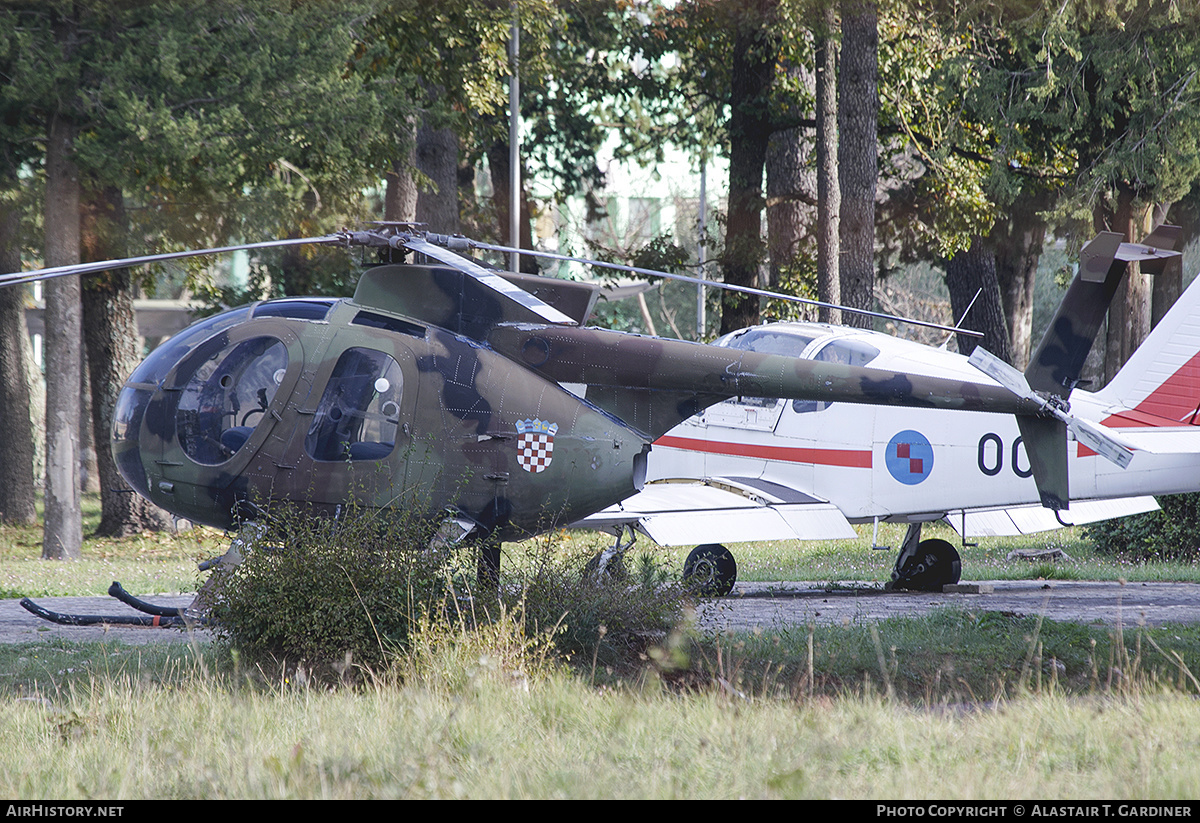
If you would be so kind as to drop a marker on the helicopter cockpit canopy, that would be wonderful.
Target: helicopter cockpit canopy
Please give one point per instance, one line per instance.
(226, 395)
(210, 385)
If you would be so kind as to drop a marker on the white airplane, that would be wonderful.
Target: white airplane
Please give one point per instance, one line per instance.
(750, 469)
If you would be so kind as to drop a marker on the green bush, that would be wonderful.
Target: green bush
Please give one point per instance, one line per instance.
(608, 619)
(317, 590)
(1172, 533)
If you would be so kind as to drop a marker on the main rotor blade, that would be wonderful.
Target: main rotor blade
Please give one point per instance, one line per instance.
(683, 278)
(16, 278)
(490, 279)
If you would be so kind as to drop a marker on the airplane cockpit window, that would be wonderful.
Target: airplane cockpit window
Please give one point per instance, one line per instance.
(848, 352)
(359, 414)
(770, 341)
(227, 396)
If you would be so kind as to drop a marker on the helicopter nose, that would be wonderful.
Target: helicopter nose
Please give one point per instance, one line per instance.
(127, 425)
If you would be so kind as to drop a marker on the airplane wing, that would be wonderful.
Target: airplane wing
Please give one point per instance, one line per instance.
(723, 510)
(1016, 520)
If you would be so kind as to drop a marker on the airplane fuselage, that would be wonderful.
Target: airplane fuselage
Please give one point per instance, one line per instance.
(900, 464)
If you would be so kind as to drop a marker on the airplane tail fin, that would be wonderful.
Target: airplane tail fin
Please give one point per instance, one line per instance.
(1162, 378)
(1055, 367)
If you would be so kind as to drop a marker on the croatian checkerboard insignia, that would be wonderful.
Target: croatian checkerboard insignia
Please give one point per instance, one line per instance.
(535, 444)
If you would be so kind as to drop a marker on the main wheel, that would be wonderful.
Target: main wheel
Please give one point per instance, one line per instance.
(710, 570)
(935, 564)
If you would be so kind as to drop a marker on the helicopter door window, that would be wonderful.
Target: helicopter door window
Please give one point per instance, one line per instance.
(359, 414)
(227, 396)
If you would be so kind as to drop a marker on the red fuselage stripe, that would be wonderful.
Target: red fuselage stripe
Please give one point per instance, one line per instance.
(851, 458)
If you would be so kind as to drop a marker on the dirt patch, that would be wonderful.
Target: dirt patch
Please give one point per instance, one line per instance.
(752, 605)
(765, 605)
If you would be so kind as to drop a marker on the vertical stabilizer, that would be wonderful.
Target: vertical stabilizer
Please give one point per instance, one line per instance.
(1162, 378)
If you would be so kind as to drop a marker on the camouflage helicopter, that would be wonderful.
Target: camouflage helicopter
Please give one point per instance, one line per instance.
(479, 393)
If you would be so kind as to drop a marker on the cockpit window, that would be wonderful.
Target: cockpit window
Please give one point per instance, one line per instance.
(359, 414)
(299, 308)
(155, 367)
(226, 397)
(848, 352)
(770, 341)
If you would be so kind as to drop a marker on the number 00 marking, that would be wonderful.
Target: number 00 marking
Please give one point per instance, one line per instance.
(991, 456)
(993, 463)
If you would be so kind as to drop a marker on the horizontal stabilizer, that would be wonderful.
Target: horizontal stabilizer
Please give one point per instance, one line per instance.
(1182, 440)
(1018, 520)
(1155, 250)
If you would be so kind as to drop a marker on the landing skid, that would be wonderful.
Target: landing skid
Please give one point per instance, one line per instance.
(156, 616)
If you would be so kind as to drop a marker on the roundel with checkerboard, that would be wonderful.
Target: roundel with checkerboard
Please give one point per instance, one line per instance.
(909, 457)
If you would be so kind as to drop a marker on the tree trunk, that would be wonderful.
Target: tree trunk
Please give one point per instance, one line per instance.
(1018, 241)
(973, 272)
(858, 118)
(63, 531)
(16, 435)
(111, 340)
(437, 159)
(791, 195)
(1129, 312)
(1168, 284)
(89, 469)
(791, 201)
(749, 132)
(829, 199)
(400, 194)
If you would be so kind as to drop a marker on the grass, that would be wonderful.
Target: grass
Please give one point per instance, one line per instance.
(149, 563)
(955, 705)
(469, 722)
(854, 560)
(166, 562)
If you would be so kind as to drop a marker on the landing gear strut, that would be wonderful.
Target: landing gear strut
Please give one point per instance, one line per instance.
(925, 565)
(610, 563)
(488, 568)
